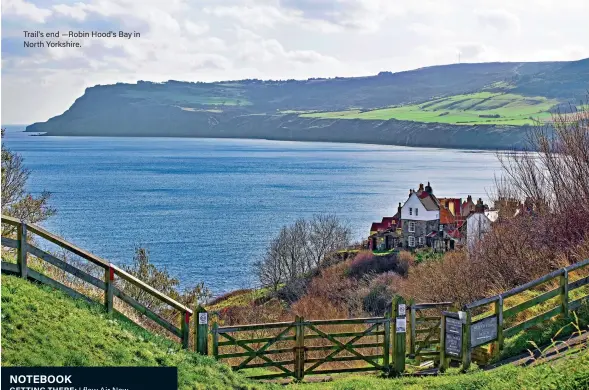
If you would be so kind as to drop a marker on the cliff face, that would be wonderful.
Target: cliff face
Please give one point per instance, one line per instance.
(259, 109)
(136, 121)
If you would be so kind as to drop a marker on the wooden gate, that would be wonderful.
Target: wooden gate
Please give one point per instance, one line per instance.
(302, 347)
(425, 321)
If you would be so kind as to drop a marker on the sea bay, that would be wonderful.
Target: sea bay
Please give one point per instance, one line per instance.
(206, 208)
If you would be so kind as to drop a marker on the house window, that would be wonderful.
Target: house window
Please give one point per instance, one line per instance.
(411, 227)
(416, 212)
(420, 240)
(441, 227)
(410, 210)
(411, 241)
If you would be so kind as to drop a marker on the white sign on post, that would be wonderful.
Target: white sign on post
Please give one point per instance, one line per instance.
(203, 318)
(402, 309)
(401, 325)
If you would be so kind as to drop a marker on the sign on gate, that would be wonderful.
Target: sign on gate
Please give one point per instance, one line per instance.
(453, 337)
(401, 325)
(483, 331)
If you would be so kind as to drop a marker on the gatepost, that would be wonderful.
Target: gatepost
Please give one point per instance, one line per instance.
(451, 332)
(201, 331)
(399, 321)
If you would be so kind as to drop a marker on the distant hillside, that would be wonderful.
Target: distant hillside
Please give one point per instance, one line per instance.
(280, 109)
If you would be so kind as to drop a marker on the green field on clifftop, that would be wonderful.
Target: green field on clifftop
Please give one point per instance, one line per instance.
(467, 109)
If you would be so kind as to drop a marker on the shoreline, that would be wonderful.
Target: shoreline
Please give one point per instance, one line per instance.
(425, 146)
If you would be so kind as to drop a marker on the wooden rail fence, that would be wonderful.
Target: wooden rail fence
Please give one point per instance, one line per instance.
(482, 327)
(24, 248)
(425, 321)
(301, 348)
(305, 347)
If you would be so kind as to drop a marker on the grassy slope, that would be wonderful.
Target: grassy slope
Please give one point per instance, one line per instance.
(569, 373)
(43, 327)
(459, 109)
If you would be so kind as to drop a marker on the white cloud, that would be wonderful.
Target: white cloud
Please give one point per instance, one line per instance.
(76, 11)
(210, 40)
(196, 29)
(25, 10)
(499, 19)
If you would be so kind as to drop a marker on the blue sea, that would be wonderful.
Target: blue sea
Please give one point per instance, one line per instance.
(207, 208)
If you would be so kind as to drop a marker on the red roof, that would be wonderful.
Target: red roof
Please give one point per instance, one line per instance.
(446, 216)
(376, 227)
(388, 221)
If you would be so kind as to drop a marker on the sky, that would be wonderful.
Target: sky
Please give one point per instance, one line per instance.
(209, 40)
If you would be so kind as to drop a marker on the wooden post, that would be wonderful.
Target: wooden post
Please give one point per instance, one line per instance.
(413, 329)
(386, 346)
(109, 279)
(22, 249)
(498, 344)
(564, 293)
(215, 331)
(299, 349)
(466, 342)
(185, 328)
(399, 337)
(443, 363)
(201, 331)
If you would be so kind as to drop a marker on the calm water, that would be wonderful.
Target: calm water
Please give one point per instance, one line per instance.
(206, 208)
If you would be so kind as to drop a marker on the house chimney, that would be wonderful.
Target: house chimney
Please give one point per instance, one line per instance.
(429, 189)
(420, 187)
(480, 207)
(399, 209)
(410, 191)
(469, 199)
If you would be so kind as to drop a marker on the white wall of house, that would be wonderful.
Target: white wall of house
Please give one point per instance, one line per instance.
(477, 224)
(421, 214)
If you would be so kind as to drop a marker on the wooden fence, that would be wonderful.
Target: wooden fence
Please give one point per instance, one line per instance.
(425, 321)
(24, 248)
(481, 326)
(303, 348)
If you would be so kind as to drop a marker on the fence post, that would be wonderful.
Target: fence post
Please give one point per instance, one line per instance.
(443, 363)
(386, 350)
(413, 328)
(22, 249)
(564, 293)
(399, 338)
(201, 331)
(498, 344)
(185, 328)
(109, 279)
(215, 331)
(466, 342)
(299, 350)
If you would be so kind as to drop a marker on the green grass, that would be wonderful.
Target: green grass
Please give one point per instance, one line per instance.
(241, 299)
(465, 109)
(44, 327)
(568, 373)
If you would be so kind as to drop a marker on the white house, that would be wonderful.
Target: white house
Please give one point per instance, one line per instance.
(477, 225)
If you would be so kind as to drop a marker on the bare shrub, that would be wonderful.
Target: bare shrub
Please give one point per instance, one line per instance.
(453, 278)
(16, 201)
(366, 263)
(300, 248)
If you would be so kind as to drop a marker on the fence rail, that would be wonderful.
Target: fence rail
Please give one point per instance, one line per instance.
(24, 248)
(301, 348)
(494, 328)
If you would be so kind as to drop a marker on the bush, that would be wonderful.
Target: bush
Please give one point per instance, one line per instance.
(366, 263)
